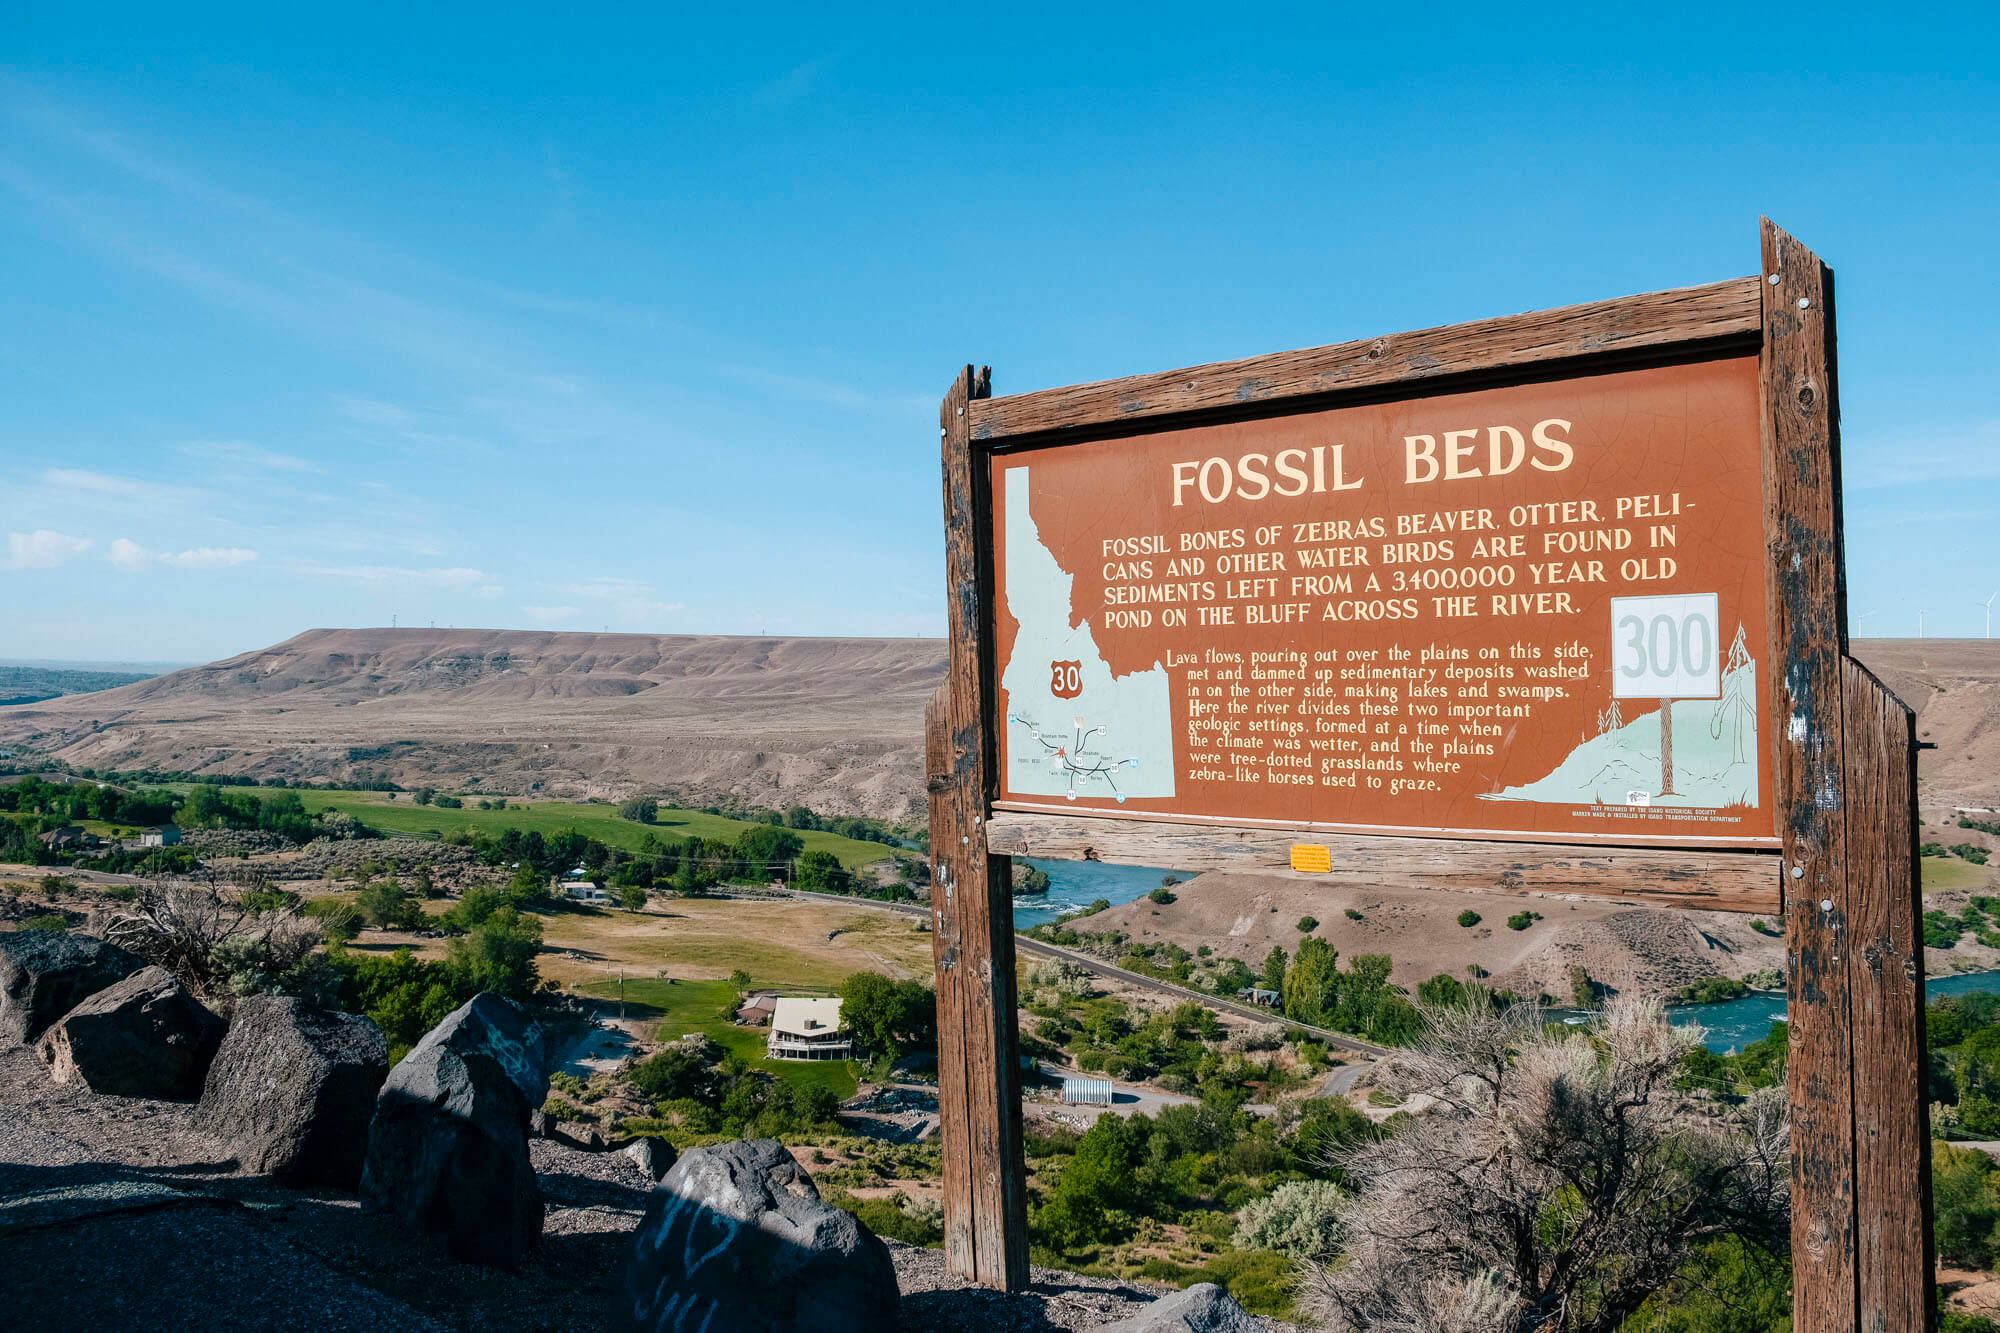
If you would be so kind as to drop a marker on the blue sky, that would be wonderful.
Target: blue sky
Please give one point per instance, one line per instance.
(573, 318)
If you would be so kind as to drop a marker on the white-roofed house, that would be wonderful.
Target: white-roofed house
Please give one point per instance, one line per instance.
(807, 1029)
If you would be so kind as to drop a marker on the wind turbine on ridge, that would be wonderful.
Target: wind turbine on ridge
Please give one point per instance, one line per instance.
(1988, 604)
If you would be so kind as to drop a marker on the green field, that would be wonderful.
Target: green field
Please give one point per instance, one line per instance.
(404, 815)
(1949, 872)
(674, 1008)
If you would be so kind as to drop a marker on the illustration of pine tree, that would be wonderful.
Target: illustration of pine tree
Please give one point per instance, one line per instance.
(1610, 719)
(1736, 706)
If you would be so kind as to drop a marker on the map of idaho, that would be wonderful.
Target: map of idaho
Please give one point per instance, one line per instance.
(1073, 729)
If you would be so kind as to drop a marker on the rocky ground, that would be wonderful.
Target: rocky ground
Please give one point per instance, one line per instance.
(132, 1216)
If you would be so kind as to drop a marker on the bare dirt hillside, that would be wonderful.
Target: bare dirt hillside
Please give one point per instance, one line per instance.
(836, 724)
(1643, 950)
(1954, 684)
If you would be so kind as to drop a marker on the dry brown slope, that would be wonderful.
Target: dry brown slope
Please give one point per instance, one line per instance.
(1954, 684)
(833, 723)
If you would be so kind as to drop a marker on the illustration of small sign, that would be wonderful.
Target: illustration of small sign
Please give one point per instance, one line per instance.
(1310, 859)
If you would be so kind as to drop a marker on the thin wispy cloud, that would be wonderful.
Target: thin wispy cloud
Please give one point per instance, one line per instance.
(43, 549)
(1967, 453)
(437, 578)
(239, 454)
(550, 615)
(628, 599)
(120, 487)
(794, 85)
(133, 558)
(830, 393)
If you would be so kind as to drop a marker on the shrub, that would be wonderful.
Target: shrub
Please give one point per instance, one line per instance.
(1300, 1219)
(1161, 895)
(1522, 920)
(1468, 918)
(48, 921)
(1353, 915)
(1308, 924)
(339, 922)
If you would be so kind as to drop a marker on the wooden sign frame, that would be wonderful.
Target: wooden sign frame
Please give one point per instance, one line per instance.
(1844, 754)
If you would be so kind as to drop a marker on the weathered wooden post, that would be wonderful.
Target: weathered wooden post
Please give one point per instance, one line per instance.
(972, 942)
(1846, 795)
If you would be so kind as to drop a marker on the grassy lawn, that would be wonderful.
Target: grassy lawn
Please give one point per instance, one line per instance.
(1948, 872)
(670, 1009)
(404, 815)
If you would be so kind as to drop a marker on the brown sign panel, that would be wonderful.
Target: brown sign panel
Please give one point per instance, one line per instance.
(1534, 611)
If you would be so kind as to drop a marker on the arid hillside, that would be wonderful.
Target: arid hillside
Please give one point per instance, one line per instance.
(836, 724)
(1954, 684)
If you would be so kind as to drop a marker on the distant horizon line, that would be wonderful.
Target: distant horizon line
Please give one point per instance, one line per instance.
(162, 667)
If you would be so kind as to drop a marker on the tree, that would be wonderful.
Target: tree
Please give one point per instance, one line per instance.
(768, 850)
(1274, 969)
(1312, 982)
(499, 955)
(1582, 990)
(1162, 895)
(1099, 1178)
(640, 810)
(820, 872)
(384, 905)
(1556, 1183)
(1308, 924)
(632, 897)
(887, 1017)
(1468, 918)
(1965, 1190)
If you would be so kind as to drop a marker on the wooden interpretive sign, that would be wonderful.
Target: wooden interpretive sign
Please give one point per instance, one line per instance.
(1547, 604)
(1486, 614)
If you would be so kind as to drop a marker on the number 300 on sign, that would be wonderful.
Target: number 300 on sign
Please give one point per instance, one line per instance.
(1665, 647)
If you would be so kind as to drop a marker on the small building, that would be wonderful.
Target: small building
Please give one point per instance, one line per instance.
(1257, 995)
(1086, 1092)
(69, 838)
(162, 835)
(807, 1029)
(757, 1008)
(585, 891)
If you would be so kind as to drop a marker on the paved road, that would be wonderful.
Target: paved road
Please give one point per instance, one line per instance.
(1026, 945)
(1342, 1080)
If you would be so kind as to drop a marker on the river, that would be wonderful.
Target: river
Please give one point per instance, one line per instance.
(1074, 885)
(1731, 1024)
(1734, 1024)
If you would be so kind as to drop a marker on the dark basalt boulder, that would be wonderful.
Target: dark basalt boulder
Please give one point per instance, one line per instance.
(736, 1237)
(292, 1090)
(144, 1036)
(448, 1148)
(1202, 1308)
(44, 974)
(655, 1157)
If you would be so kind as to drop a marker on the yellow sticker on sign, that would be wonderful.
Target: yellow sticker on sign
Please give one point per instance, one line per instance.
(1312, 860)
